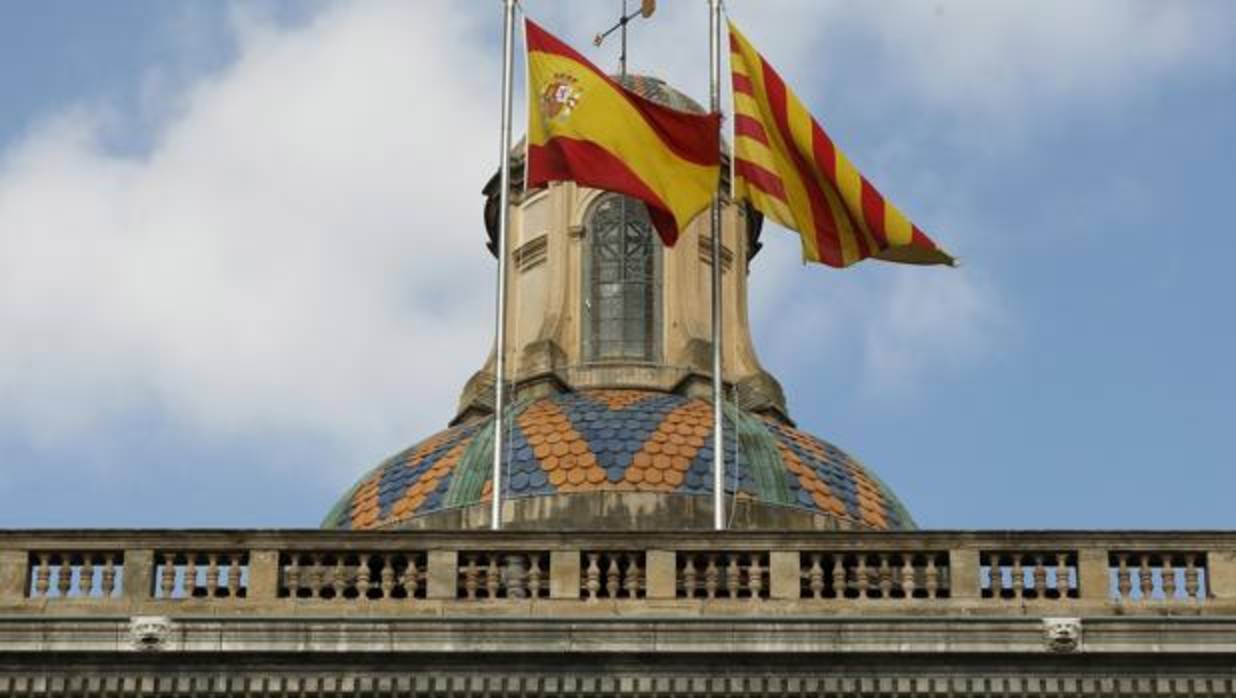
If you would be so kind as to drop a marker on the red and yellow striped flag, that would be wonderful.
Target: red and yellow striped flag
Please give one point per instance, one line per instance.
(586, 128)
(791, 171)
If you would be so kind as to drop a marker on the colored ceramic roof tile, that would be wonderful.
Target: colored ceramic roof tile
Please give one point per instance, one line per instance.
(620, 440)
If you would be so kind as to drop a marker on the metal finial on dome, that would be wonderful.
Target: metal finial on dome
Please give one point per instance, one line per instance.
(647, 7)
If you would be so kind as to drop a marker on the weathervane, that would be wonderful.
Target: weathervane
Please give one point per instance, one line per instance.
(646, 8)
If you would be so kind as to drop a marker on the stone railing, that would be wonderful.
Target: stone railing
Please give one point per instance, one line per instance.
(692, 573)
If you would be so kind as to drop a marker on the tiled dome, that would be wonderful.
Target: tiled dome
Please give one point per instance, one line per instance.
(619, 441)
(658, 91)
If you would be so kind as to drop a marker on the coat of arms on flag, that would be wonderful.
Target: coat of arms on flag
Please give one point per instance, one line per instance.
(586, 128)
(560, 96)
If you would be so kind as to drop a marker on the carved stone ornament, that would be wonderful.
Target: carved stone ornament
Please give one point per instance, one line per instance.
(149, 633)
(1062, 635)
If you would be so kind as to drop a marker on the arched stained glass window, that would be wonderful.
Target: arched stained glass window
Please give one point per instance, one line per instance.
(621, 281)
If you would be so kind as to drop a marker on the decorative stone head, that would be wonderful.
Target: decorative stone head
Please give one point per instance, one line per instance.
(1062, 635)
(149, 633)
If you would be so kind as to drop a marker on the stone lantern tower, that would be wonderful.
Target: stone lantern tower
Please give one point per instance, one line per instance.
(609, 342)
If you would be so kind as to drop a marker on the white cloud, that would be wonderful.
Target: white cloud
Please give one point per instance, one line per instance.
(880, 330)
(297, 244)
(995, 57)
(1008, 55)
(926, 321)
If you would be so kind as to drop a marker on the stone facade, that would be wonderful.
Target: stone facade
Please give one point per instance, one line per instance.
(120, 613)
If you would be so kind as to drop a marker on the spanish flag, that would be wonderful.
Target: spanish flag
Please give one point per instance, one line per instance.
(586, 128)
(790, 170)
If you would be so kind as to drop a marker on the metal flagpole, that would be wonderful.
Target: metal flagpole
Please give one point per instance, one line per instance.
(504, 218)
(718, 440)
(622, 56)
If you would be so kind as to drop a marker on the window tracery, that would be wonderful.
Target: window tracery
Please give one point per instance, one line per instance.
(622, 282)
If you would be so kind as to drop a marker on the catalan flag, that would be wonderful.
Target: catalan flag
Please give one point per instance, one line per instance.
(790, 170)
(585, 127)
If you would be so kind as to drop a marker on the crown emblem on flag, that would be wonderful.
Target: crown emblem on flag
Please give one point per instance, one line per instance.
(560, 96)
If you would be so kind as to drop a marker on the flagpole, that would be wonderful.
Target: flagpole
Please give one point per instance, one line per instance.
(718, 440)
(504, 218)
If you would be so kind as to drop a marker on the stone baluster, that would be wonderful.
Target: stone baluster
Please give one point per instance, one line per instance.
(860, 573)
(885, 576)
(411, 577)
(733, 576)
(233, 576)
(907, 575)
(317, 576)
(592, 576)
(339, 580)
(386, 575)
(1169, 579)
(1124, 581)
(1019, 577)
(1193, 587)
(363, 574)
(997, 576)
(839, 576)
(634, 580)
(167, 576)
(931, 578)
(291, 576)
(471, 578)
(689, 576)
(493, 578)
(85, 577)
(711, 577)
(213, 572)
(815, 577)
(1062, 575)
(64, 575)
(613, 577)
(514, 575)
(108, 581)
(755, 578)
(328, 576)
(1040, 578)
(1145, 577)
(42, 576)
(534, 575)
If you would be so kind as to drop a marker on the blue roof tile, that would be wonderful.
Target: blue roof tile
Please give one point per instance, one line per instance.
(612, 438)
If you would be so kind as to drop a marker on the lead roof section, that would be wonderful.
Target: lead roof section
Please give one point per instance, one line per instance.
(620, 441)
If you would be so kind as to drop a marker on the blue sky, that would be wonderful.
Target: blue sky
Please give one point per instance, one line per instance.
(235, 240)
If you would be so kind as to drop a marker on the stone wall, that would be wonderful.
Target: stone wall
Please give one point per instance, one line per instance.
(661, 613)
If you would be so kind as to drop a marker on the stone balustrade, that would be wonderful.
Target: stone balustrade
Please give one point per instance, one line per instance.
(682, 572)
(345, 574)
(63, 574)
